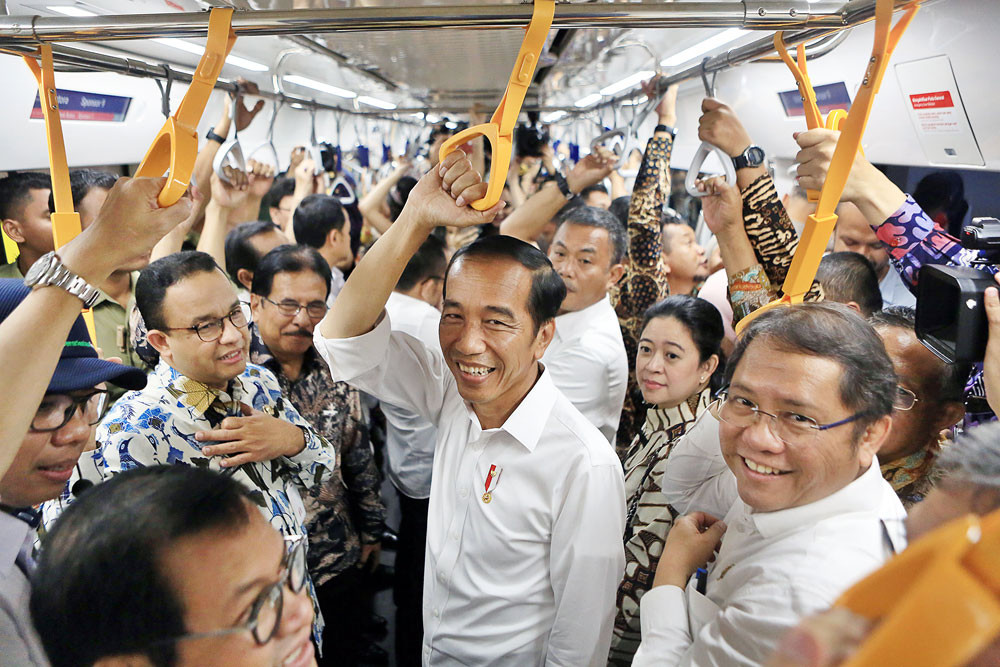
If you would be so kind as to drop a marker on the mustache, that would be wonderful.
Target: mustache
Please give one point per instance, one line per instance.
(302, 333)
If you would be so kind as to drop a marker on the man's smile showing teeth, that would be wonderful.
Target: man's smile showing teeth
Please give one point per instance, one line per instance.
(474, 370)
(761, 468)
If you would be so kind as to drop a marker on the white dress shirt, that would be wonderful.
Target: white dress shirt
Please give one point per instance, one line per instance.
(19, 643)
(588, 364)
(337, 281)
(530, 577)
(894, 290)
(410, 438)
(773, 568)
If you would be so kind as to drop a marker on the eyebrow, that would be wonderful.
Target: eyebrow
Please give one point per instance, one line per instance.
(668, 342)
(501, 310)
(788, 401)
(208, 318)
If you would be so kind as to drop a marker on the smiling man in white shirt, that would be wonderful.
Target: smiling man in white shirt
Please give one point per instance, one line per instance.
(791, 466)
(524, 549)
(587, 356)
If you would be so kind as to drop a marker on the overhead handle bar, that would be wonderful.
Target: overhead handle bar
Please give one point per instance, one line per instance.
(499, 131)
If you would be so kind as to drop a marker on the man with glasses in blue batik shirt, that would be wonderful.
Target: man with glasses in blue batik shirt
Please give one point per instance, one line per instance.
(204, 405)
(784, 465)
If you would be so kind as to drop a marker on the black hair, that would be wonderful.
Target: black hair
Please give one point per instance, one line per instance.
(16, 188)
(830, 331)
(82, 181)
(155, 279)
(596, 187)
(849, 276)
(668, 217)
(530, 140)
(289, 258)
(619, 209)
(240, 253)
(398, 194)
(593, 216)
(943, 191)
(702, 321)
(547, 289)
(953, 377)
(281, 188)
(428, 262)
(99, 589)
(315, 217)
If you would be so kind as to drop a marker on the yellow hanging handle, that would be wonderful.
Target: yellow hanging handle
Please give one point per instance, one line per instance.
(175, 147)
(500, 130)
(820, 224)
(65, 221)
(937, 603)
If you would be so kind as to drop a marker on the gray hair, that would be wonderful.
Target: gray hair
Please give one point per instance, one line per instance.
(975, 456)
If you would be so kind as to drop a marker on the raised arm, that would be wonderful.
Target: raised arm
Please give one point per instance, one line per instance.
(371, 204)
(226, 199)
(32, 337)
(528, 219)
(441, 197)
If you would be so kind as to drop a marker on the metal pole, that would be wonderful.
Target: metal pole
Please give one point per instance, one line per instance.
(752, 14)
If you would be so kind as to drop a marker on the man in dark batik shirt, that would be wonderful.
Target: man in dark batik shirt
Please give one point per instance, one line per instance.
(345, 515)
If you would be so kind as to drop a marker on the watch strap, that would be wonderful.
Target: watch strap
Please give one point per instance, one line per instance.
(563, 186)
(56, 274)
(212, 136)
(742, 161)
(672, 131)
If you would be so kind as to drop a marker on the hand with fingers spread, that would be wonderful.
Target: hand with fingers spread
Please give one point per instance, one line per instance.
(255, 436)
(245, 116)
(721, 127)
(591, 170)
(691, 543)
(991, 362)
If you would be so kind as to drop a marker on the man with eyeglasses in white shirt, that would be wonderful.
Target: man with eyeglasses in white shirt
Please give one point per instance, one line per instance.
(788, 457)
(524, 550)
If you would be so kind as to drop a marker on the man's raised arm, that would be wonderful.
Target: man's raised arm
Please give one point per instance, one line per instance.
(442, 197)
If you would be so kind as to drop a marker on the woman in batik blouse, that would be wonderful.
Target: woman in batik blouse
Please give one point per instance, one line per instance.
(678, 352)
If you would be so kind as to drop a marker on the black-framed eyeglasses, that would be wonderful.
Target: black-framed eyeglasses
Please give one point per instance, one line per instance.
(57, 410)
(211, 330)
(265, 612)
(316, 310)
(904, 399)
(788, 426)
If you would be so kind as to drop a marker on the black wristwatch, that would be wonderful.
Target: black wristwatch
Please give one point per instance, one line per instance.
(672, 131)
(563, 186)
(212, 136)
(753, 156)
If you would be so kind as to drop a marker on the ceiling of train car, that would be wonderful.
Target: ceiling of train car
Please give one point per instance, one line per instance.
(434, 69)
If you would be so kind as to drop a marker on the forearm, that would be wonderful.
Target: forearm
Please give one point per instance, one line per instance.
(529, 219)
(169, 244)
(877, 196)
(370, 204)
(736, 250)
(213, 234)
(248, 211)
(359, 305)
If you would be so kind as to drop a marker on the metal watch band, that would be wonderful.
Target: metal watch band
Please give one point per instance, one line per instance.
(57, 275)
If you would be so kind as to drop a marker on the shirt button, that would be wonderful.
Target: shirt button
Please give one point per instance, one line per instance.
(441, 577)
(437, 613)
(464, 492)
(454, 536)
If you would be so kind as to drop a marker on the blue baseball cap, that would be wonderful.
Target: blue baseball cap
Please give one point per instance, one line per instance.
(79, 366)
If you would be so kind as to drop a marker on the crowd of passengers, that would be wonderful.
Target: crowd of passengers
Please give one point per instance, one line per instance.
(591, 467)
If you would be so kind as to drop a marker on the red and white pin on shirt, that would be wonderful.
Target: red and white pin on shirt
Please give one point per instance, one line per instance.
(492, 480)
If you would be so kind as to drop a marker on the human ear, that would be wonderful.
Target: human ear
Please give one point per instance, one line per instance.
(951, 413)
(616, 273)
(158, 340)
(708, 366)
(853, 305)
(245, 276)
(12, 228)
(545, 334)
(872, 440)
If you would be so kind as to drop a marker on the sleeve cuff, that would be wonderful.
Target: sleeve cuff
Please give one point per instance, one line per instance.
(663, 614)
(749, 290)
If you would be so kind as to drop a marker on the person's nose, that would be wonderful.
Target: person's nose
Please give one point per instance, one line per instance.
(297, 612)
(760, 436)
(303, 320)
(470, 341)
(231, 334)
(74, 432)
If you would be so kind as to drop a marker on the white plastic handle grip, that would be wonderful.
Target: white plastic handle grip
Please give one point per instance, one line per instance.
(699, 159)
(229, 153)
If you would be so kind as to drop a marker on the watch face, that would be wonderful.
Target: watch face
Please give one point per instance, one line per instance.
(755, 156)
(39, 268)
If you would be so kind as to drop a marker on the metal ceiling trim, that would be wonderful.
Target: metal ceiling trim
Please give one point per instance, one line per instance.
(751, 14)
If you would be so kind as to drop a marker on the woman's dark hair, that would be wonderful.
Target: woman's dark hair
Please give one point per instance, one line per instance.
(289, 259)
(830, 331)
(547, 289)
(398, 194)
(155, 279)
(99, 589)
(702, 321)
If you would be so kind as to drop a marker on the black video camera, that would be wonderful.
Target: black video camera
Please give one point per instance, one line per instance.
(951, 318)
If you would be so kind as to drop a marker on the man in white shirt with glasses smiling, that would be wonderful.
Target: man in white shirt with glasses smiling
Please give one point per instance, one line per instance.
(527, 503)
(787, 457)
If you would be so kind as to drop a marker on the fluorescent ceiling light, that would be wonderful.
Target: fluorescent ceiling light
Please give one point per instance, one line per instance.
(627, 82)
(704, 47)
(375, 102)
(451, 125)
(553, 117)
(319, 85)
(70, 10)
(588, 100)
(195, 49)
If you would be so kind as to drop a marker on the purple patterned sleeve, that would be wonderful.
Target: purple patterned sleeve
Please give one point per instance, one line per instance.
(913, 240)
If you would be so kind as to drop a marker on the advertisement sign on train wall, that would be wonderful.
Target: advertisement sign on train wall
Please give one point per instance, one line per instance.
(74, 105)
(828, 97)
(934, 103)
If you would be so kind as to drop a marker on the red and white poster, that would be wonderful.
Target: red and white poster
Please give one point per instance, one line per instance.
(934, 103)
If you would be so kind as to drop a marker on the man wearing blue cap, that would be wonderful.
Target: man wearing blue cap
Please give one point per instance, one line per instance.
(52, 393)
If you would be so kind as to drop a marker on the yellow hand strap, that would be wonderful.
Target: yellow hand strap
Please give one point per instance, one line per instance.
(176, 145)
(820, 224)
(936, 603)
(65, 221)
(500, 130)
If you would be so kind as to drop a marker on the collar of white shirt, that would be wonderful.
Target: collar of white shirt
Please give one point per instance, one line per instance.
(528, 420)
(573, 325)
(861, 495)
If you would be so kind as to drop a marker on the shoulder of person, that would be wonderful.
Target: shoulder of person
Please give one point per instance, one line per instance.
(586, 445)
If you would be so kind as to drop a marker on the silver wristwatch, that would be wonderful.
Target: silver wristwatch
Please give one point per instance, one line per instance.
(49, 270)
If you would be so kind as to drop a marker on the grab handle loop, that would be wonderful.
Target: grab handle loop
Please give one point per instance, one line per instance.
(175, 147)
(231, 152)
(700, 156)
(499, 131)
